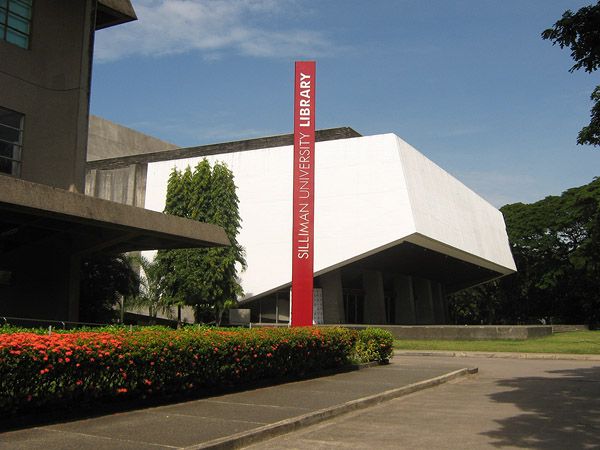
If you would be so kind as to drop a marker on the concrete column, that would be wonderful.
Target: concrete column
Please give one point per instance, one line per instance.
(131, 188)
(374, 297)
(438, 303)
(405, 300)
(333, 298)
(445, 303)
(78, 160)
(423, 301)
(141, 175)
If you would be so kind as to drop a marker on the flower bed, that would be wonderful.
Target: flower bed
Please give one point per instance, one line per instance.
(40, 370)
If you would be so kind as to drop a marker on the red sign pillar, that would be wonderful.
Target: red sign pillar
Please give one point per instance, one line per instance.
(304, 194)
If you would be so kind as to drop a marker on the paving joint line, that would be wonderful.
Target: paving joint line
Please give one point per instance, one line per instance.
(194, 416)
(253, 436)
(255, 404)
(106, 438)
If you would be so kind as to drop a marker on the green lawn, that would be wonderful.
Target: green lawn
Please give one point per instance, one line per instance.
(581, 342)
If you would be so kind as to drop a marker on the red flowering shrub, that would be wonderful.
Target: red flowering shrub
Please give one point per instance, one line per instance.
(38, 370)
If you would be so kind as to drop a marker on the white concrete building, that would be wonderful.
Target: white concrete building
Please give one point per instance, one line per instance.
(394, 233)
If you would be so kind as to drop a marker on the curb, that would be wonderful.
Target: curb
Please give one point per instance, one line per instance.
(288, 425)
(502, 355)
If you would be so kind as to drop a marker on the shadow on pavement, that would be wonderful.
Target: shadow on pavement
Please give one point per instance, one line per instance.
(560, 411)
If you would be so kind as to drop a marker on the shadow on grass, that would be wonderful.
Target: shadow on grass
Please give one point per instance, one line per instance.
(560, 411)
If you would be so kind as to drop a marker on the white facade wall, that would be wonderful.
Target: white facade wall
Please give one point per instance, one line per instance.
(447, 211)
(371, 193)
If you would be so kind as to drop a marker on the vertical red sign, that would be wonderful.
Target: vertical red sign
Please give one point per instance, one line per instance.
(304, 194)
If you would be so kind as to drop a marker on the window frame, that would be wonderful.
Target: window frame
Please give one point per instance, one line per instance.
(6, 12)
(17, 160)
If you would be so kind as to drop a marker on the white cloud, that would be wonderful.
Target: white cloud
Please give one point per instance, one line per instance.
(210, 27)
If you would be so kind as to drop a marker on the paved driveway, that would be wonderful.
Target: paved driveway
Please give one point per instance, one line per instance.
(511, 403)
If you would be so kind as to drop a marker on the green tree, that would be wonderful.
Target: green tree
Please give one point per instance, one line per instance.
(553, 241)
(105, 279)
(556, 246)
(580, 32)
(205, 278)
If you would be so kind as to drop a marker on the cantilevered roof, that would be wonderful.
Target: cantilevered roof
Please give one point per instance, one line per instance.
(280, 140)
(32, 213)
(412, 259)
(114, 12)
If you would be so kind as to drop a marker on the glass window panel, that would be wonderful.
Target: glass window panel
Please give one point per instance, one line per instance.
(8, 134)
(17, 38)
(283, 310)
(10, 137)
(17, 23)
(10, 118)
(6, 166)
(6, 150)
(267, 309)
(21, 9)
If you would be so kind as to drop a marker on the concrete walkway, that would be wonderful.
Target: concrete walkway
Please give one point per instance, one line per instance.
(234, 419)
(509, 404)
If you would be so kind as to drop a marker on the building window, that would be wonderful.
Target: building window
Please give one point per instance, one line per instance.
(15, 21)
(354, 305)
(11, 141)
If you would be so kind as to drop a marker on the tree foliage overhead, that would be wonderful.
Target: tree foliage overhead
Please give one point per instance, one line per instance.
(206, 277)
(556, 246)
(580, 32)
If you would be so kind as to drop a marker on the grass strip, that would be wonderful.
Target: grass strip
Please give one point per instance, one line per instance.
(575, 342)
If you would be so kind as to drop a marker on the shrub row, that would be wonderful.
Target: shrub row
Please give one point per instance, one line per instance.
(373, 344)
(41, 370)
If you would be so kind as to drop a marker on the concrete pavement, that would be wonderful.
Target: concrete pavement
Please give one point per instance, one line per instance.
(509, 404)
(233, 419)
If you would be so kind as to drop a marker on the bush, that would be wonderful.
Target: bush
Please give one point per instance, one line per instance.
(373, 344)
(40, 370)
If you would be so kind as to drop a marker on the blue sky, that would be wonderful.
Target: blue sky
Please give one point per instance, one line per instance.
(469, 83)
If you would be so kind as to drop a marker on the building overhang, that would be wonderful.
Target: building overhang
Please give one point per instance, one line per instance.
(282, 140)
(418, 256)
(114, 12)
(32, 214)
(421, 257)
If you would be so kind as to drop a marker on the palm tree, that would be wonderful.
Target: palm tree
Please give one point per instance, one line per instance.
(152, 293)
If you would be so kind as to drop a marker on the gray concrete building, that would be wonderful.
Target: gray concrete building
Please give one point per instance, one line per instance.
(47, 224)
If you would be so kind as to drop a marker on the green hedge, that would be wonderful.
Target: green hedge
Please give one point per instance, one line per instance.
(40, 370)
